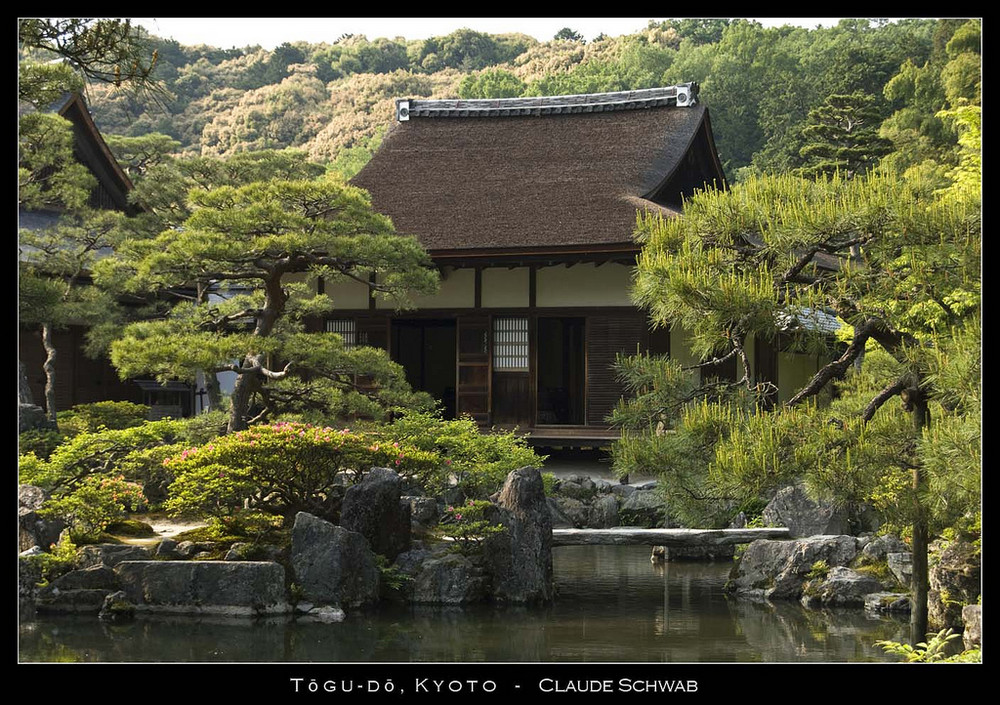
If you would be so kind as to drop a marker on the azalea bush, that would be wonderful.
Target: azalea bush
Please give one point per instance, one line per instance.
(282, 468)
(94, 504)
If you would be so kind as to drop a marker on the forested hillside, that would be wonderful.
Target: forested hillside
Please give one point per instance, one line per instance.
(765, 87)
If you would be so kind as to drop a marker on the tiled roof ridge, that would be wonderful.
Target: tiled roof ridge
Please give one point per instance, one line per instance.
(681, 95)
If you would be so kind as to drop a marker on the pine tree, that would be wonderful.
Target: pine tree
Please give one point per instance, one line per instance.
(237, 255)
(900, 269)
(842, 136)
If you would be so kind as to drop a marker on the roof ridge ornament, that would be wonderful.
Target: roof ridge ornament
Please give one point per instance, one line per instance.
(680, 95)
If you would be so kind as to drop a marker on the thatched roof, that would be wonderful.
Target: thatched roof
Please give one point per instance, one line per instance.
(500, 181)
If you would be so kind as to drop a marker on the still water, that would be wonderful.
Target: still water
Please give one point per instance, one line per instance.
(612, 605)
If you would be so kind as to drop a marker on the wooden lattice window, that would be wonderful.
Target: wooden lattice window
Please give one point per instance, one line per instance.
(345, 328)
(510, 344)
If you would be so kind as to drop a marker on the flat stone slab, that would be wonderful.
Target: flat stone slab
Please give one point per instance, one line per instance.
(628, 536)
(232, 588)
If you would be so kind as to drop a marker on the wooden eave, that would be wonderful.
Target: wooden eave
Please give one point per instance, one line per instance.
(544, 256)
(716, 175)
(94, 151)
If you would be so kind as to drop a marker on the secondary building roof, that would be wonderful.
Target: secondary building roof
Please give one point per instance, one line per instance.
(529, 175)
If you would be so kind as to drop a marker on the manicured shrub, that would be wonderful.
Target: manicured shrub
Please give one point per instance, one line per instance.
(111, 415)
(281, 468)
(94, 504)
(41, 442)
(478, 463)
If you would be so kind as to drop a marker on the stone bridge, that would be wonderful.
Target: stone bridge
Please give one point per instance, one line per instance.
(674, 538)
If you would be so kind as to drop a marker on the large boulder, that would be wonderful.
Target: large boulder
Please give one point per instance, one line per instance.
(901, 566)
(374, 509)
(887, 602)
(603, 513)
(29, 573)
(449, 579)
(35, 530)
(423, 512)
(778, 570)
(954, 583)
(97, 577)
(644, 507)
(32, 417)
(972, 616)
(520, 558)
(557, 516)
(110, 554)
(204, 587)
(84, 600)
(580, 488)
(332, 565)
(793, 508)
(575, 511)
(841, 587)
(879, 548)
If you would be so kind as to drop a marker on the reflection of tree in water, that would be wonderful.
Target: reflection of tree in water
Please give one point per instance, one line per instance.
(813, 634)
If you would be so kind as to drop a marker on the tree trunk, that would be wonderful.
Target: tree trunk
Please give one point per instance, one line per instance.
(50, 372)
(214, 391)
(247, 384)
(244, 389)
(916, 402)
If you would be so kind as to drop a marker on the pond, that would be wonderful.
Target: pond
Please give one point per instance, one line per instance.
(613, 605)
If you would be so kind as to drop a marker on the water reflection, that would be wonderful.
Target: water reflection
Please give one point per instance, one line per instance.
(612, 605)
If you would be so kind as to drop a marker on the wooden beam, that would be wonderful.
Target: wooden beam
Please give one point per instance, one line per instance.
(679, 538)
(532, 285)
(478, 298)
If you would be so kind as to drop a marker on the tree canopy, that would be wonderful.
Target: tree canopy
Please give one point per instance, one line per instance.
(899, 268)
(238, 253)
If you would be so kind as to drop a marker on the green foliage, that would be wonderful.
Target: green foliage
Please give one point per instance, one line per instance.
(818, 570)
(569, 35)
(469, 525)
(931, 651)
(282, 468)
(58, 560)
(255, 238)
(549, 483)
(48, 174)
(842, 135)
(94, 504)
(103, 415)
(39, 442)
(478, 463)
(492, 83)
(392, 579)
(108, 51)
(738, 267)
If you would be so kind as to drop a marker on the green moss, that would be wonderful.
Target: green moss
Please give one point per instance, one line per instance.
(818, 571)
(131, 527)
(878, 570)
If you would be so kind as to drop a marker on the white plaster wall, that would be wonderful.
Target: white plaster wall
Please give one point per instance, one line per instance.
(681, 352)
(457, 290)
(505, 288)
(347, 294)
(584, 285)
(794, 370)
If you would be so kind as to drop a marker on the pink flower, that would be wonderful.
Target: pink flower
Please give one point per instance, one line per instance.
(458, 516)
(447, 462)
